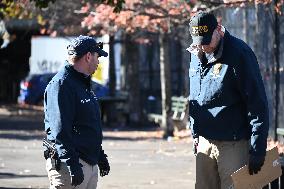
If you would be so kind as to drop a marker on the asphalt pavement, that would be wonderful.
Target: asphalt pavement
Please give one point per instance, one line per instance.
(139, 158)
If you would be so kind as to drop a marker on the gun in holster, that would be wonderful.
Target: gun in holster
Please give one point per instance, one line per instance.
(51, 152)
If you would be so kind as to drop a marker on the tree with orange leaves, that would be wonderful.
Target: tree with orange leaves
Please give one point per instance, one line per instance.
(156, 16)
(153, 16)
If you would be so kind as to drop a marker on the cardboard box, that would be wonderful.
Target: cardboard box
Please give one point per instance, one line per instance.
(270, 171)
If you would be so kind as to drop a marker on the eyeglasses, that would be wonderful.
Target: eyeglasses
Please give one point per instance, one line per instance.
(100, 45)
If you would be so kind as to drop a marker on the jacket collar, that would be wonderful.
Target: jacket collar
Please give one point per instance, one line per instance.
(217, 53)
(80, 76)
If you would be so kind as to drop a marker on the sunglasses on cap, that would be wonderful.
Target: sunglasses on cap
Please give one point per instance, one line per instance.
(100, 45)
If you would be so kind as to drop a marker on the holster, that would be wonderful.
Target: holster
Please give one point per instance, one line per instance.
(51, 152)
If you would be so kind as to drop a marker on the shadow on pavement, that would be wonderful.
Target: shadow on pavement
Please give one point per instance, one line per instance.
(20, 124)
(12, 188)
(18, 109)
(15, 117)
(130, 138)
(128, 133)
(20, 136)
(26, 123)
(12, 175)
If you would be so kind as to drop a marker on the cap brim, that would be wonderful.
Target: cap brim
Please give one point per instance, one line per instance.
(201, 40)
(101, 52)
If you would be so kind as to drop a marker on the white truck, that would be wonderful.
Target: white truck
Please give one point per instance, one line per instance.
(48, 55)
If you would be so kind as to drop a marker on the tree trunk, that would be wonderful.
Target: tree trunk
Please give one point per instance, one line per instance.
(183, 37)
(132, 85)
(165, 77)
(112, 78)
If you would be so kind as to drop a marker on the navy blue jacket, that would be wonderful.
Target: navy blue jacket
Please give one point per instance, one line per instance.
(72, 117)
(227, 95)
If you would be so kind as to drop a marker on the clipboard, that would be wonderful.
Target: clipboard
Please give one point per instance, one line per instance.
(270, 171)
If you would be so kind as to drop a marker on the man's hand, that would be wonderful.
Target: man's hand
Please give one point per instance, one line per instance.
(103, 165)
(195, 145)
(255, 164)
(77, 175)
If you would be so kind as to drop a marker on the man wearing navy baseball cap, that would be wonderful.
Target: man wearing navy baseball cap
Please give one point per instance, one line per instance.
(202, 26)
(227, 104)
(83, 44)
(72, 120)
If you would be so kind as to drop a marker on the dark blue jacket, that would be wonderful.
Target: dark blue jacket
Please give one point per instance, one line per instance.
(227, 95)
(72, 117)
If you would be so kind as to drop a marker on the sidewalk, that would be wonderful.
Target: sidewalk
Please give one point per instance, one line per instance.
(139, 159)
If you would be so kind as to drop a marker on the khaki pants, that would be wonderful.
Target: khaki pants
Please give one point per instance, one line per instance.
(62, 179)
(217, 160)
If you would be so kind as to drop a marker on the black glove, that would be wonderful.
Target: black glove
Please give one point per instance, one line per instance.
(103, 165)
(77, 175)
(255, 164)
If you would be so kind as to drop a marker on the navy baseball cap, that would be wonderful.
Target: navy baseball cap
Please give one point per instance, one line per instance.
(201, 27)
(81, 45)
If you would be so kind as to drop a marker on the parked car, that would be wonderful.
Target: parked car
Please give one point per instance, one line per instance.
(100, 90)
(32, 88)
